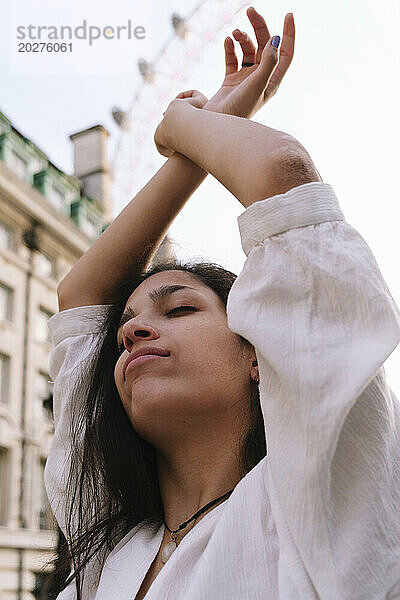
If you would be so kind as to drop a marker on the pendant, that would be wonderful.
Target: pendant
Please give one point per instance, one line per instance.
(166, 552)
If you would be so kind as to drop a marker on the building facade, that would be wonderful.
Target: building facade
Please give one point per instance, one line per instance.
(48, 219)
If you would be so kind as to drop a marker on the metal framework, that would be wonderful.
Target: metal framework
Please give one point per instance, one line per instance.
(135, 155)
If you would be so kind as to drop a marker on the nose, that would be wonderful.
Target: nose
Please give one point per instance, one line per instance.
(133, 330)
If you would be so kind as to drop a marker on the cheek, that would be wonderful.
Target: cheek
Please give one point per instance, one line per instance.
(118, 373)
(214, 350)
(119, 382)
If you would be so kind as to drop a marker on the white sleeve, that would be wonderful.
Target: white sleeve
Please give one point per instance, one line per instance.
(74, 334)
(312, 301)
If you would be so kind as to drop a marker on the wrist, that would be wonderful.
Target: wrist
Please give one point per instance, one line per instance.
(209, 106)
(213, 104)
(187, 167)
(174, 123)
(164, 137)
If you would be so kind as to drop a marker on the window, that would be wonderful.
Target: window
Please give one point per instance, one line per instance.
(44, 395)
(56, 198)
(4, 378)
(42, 333)
(3, 485)
(46, 520)
(6, 236)
(6, 302)
(44, 265)
(17, 164)
(89, 227)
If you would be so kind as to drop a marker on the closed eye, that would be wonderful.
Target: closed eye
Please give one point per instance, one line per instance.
(180, 308)
(121, 346)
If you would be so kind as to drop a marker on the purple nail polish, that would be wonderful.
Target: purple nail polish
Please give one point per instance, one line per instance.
(276, 41)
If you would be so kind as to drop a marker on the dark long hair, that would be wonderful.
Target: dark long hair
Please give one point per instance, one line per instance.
(113, 479)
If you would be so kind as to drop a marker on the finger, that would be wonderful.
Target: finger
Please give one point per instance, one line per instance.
(248, 48)
(260, 29)
(285, 55)
(193, 97)
(198, 100)
(188, 94)
(262, 74)
(231, 61)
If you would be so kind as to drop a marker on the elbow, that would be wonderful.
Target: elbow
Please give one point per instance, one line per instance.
(293, 166)
(288, 168)
(60, 289)
(64, 297)
(277, 172)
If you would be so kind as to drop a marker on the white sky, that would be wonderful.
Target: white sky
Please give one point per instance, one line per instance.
(340, 98)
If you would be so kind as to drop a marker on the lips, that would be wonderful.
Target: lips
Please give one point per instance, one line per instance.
(144, 352)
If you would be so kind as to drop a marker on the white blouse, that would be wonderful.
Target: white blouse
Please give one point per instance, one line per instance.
(319, 516)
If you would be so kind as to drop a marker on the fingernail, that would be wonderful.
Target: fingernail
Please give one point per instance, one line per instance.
(276, 41)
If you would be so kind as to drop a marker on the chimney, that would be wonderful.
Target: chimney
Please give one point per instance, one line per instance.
(91, 165)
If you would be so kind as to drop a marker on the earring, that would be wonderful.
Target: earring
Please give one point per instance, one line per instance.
(256, 379)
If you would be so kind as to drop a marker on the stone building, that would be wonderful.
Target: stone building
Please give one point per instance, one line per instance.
(48, 219)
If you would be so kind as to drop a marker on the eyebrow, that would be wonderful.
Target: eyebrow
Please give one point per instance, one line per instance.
(154, 295)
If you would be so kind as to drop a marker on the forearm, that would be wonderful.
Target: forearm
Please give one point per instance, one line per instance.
(130, 241)
(245, 156)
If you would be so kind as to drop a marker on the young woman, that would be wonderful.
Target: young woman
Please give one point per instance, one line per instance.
(221, 437)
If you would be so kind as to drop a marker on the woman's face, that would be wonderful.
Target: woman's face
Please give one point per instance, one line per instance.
(207, 373)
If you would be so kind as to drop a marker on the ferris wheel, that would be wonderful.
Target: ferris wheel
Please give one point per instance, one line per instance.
(162, 78)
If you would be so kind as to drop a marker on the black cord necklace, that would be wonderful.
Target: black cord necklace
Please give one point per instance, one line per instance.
(172, 545)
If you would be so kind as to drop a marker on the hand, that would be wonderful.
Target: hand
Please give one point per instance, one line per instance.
(245, 91)
(192, 97)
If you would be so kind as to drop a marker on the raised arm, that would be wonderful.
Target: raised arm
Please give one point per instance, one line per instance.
(251, 160)
(130, 241)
